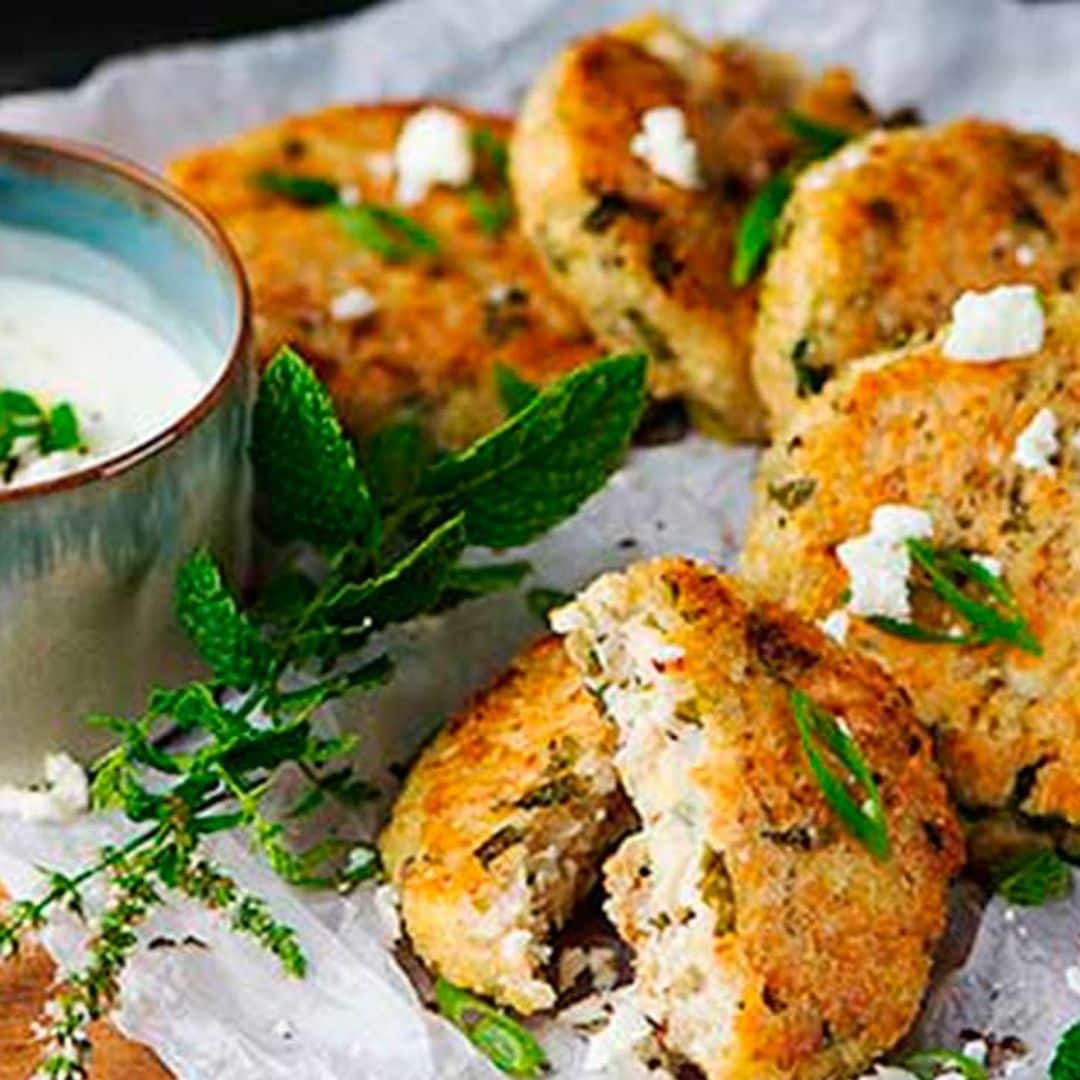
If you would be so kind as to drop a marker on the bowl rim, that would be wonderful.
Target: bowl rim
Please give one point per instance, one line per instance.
(236, 353)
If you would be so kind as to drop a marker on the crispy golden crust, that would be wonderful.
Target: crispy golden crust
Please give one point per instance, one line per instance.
(939, 435)
(877, 244)
(649, 262)
(441, 324)
(825, 949)
(501, 828)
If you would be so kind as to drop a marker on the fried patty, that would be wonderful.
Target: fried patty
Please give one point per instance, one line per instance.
(502, 826)
(647, 261)
(917, 429)
(878, 242)
(442, 322)
(769, 942)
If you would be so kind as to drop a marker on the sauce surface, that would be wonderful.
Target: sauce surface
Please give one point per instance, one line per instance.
(125, 381)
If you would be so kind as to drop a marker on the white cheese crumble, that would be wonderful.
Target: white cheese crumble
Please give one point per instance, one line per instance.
(836, 625)
(433, 148)
(66, 794)
(878, 562)
(1038, 443)
(1005, 322)
(352, 305)
(1025, 255)
(664, 144)
(977, 1050)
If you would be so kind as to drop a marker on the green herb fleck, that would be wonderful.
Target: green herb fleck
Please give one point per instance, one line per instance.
(758, 226)
(1033, 878)
(819, 140)
(389, 233)
(820, 732)
(506, 1044)
(791, 494)
(927, 1064)
(302, 190)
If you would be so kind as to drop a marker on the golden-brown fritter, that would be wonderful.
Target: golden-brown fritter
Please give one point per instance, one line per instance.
(648, 261)
(502, 826)
(921, 430)
(769, 941)
(877, 243)
(441, 323)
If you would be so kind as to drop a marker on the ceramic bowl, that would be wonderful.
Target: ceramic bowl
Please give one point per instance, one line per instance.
(88, 560)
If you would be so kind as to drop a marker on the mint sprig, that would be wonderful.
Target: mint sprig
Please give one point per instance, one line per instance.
(201, 758)
(22, 416)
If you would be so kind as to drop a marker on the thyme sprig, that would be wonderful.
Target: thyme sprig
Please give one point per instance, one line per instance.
(202, 758)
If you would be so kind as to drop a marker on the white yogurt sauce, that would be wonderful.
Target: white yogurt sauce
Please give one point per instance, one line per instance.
(125, 381)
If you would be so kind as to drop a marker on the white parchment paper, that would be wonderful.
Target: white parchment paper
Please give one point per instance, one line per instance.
(223, 1012)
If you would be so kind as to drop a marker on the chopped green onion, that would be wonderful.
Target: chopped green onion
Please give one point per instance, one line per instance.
(818, 730)
(949, 570)
(302, 190)
(514, 391)
(819, 140)
(389, 233)
(1066, 1062)
(757, 227)
(927, 1064)
(506, 1044)
(1033, 878)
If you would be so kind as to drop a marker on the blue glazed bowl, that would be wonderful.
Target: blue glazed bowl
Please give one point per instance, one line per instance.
(88, 559)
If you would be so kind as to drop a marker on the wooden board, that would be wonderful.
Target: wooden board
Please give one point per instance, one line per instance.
(24, 985)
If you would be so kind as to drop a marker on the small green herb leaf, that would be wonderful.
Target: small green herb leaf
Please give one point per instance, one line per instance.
(224, 637)
(1033, 878)
(758, 226)
(543, 462)
(302, 190)
(304, 465)
(410, 587)
(507, 1045)
(819, 731)
(389, 233)
(515, 391)
(927, 1064)
(394, 462)
(1066, 1062)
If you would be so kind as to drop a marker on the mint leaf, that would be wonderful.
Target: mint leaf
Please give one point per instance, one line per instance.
(409, 588)
(394, 462)
(542, 463)
(61, 430)
(1066, 1063)
(226, 640)
(514, 391)
(1033, 878)
(305, 467)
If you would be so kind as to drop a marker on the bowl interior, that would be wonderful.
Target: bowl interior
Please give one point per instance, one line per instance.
(72, 217)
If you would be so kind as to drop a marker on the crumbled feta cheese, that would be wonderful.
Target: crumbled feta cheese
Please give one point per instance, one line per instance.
(349, 195)
(617, 1040)
(976, 1050)
(1072, 978)
(385, 899)
(65, 797)
(664, 144)
(1025, 255)
(878, 562)
(1038, 443)
(989, 564)
(433, 148)
(836, 625)
(352, 305)
(996, 325)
